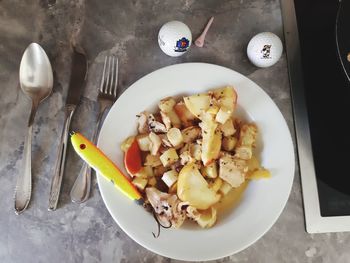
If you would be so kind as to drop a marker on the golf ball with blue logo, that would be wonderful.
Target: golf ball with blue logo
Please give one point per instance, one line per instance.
(174, 38)
(264, 49)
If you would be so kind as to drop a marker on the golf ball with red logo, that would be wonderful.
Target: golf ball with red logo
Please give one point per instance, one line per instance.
(174, 38)
(264, 49)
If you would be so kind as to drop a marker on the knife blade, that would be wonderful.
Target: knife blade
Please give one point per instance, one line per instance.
(75, 90)
(343, 36)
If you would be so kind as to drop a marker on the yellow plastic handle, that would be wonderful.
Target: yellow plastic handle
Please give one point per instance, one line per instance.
(104, 166)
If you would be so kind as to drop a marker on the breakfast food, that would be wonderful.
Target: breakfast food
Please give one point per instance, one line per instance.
(187, 157)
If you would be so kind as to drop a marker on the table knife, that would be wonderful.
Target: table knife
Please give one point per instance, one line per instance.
(76, 84)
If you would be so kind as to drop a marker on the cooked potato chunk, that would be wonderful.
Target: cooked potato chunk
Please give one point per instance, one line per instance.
(259, 174)
(211, 139)
(152, 160)
(207, 218)
(190, 134)
(140, 182)
(169, 157)
(253, 164)
(216, 184)
(145, 172)
(170, 177)
(175, 137)
(233, 170)
(227, 128)
(127, 143)
(210, 170)
(213, 109)
(196, 151)
(184, 114)
(194, 189)
(229, 143)
(223, 115)
(144, 142)
(225, 188)
(174, 119)
(197, 104)
(226, 97)
(167, 104)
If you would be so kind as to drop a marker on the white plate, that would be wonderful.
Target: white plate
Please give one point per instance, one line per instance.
(263, 200)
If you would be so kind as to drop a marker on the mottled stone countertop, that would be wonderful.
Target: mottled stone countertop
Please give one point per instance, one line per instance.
(127, 28)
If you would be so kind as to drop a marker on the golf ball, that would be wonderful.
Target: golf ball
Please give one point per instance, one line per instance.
(264, 49)
(174, 38)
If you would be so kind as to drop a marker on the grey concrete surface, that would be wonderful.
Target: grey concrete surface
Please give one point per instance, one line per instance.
(127, 28)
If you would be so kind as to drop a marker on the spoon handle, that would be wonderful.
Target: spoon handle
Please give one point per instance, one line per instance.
(23, 189)
(60, 163)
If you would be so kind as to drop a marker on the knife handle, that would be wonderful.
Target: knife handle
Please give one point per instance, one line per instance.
(60, 162)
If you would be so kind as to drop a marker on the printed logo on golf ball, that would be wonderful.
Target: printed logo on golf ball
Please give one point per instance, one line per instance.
(264, 49)
(174, 38)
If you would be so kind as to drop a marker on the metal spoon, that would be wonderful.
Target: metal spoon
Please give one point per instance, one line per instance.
(36, 80)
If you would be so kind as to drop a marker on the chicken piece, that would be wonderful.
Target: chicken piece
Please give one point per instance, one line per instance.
(152, 160)
(165, 141)
(191, 133)
(142, 122)
(192, 212)
(246, 141)
(167, 207)
(155, 144)
(155, 125)
(233, 170)
(204, 218)
(186, 158)
(166, 120)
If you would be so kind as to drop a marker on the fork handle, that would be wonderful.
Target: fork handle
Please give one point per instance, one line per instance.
(81, 188)
(60, 163)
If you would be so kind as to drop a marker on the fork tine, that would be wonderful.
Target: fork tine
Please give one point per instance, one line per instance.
(103, 75)
(110, 88)
(115, 87)
(106, 87)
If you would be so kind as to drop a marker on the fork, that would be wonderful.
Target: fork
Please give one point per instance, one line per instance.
(107, 95)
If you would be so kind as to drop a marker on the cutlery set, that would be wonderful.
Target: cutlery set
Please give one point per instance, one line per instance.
(36, 81)
(107, 94)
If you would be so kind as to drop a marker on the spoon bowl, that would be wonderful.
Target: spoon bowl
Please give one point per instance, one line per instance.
(36, 81)
(35, 73)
